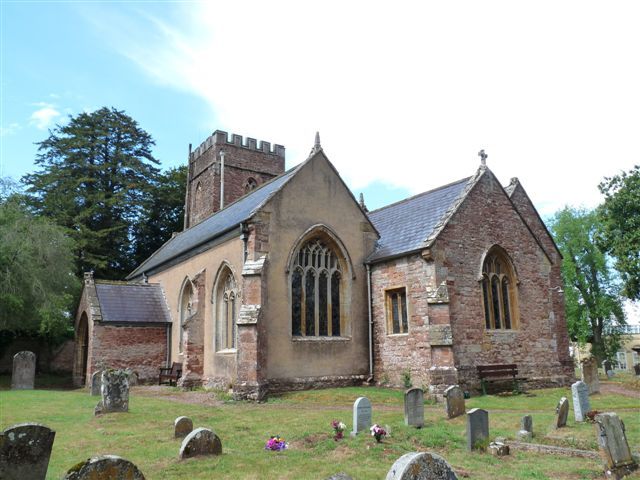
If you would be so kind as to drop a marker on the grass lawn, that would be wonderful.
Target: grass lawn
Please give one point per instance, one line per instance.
(145, 434)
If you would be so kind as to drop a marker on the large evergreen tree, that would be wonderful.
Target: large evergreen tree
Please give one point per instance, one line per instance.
(620, 216)
(96, 174)
(592, 296)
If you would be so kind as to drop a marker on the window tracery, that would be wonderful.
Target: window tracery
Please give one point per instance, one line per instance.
(499, 294)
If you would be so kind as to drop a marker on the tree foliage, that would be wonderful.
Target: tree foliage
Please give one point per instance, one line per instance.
(163, 213)
(620, 216)
(592, 296)
(37, 282)
(96, 174)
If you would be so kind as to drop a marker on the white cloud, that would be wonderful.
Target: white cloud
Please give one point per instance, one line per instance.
(407, 94)
(45, 116)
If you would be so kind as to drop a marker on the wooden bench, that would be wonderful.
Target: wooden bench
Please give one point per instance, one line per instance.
(170, 375)
(497, 373)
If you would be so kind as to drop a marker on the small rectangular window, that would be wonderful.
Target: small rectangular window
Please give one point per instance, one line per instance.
(397, 319)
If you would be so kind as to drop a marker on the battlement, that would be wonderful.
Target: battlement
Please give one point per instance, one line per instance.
(221, 138)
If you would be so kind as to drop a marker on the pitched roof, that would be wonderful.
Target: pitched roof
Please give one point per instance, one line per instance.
(406, 226)
(135, 303)
(214, 226)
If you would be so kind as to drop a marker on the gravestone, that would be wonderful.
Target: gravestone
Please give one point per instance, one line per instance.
(183, 426)
(421, 466)
(340, 476)
(133, 377)
(201, 441)
(498, 449)
(361, 415)
(477, 429)
(608, 368)
(562, 412)
(24, 451)
(24, 371)
(590, 375)
(105, 467)
(96, 383)
(613, 445)
(526, 429)
(454, 401)
(581, 405)
(115, 392)
(414, 407)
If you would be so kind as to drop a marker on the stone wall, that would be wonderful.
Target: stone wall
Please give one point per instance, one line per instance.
(57, 359)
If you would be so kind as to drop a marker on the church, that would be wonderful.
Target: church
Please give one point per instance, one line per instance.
(282, 280)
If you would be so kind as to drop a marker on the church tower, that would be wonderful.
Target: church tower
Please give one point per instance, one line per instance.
(221, 170)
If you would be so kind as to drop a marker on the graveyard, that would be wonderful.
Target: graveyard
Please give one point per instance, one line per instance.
(145, 436)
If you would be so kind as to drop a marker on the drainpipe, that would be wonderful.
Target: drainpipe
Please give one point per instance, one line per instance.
(370, 323)
(168, 345)
(221, 180)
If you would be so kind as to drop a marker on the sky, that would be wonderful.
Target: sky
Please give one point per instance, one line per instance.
(404, 93)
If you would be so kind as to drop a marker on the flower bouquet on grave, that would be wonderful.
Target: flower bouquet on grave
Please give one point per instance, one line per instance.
(378, 432)
(276, 444)
(338, 430)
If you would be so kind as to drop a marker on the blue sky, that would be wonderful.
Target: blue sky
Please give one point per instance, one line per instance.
(404, 95)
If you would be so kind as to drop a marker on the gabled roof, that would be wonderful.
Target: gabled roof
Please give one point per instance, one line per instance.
(132, 303)
(407, 225)
(217, 224)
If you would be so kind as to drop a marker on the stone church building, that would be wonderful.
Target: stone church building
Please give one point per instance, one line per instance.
(282, 280)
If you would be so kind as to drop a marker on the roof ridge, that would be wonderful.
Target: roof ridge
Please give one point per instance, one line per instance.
(420, 194)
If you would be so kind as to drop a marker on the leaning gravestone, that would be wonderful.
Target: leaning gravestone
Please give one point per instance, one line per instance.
(590, 375)
(115, 392)
(106, 467)
(414, 407)
(562, 412)
(454, 401)
(526, 429)
(24, 451)
(361, 415)
(24, 371)
(612, 442)
(183, 426)
(421, 466)
(201, 441)
(580, 394)
(477, 428)
(96, 383)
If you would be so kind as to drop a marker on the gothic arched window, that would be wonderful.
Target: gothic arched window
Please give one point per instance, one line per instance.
(227, 307)
(499, 293)
(317, 291)
(186, 307)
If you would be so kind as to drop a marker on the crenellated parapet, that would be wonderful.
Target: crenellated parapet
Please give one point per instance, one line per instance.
(221, 138)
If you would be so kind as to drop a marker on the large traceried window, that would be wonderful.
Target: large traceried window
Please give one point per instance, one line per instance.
(316, 291)
(499, 293)
(186, 308)
(227, 308)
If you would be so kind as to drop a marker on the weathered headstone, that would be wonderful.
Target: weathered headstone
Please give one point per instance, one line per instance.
(361, 415)
(201, 441)
(612, 442)
(608, 368)
(183, 426)
(24, 371)
(115, 392)
(340, 476)
(133, 377)
(454, 401)
(421, 466)
(477, 429)
(498, 449)
(414, 407)
(581, 405)
(106, 467)
(24, 451)
(562, 412)
(526, 429)
(590, 375)
(96, 383)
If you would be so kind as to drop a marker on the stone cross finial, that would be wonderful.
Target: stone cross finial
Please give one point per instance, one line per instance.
(483, 158)
(316, 145)
(361, 202)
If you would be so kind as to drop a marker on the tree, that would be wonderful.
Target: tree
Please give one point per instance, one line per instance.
(592, 296)
(163, 214)
(96, 174)
(37, 282)
(620, 216)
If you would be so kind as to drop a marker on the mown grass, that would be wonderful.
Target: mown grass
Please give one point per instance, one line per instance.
(145, 434)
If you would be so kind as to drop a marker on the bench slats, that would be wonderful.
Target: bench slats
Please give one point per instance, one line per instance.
(491, 373)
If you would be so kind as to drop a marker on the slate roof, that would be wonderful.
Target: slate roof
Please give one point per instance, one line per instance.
(214, 226)
(135, 303)
(406, 225)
